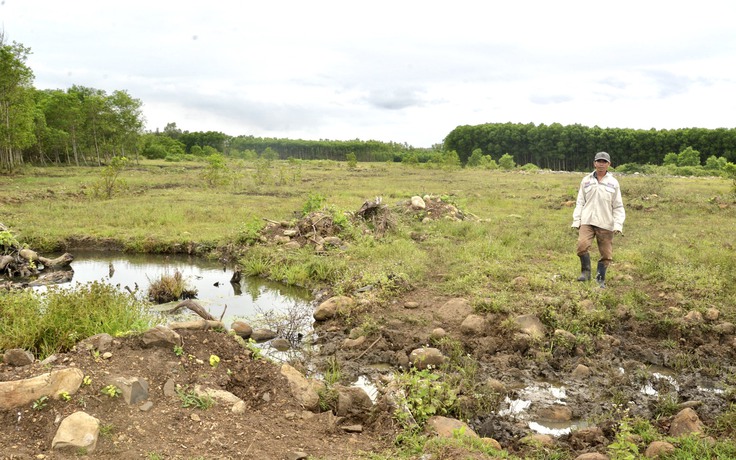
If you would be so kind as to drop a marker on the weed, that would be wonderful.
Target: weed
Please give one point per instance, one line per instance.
(111, 391)
(623, 447)
(315, 202)
(87, 380)
(170, 287)
(178, 350)
(214, 360)
(106, 430)
(40, 403)
(65, 396)
(425, 395)
(190, 398)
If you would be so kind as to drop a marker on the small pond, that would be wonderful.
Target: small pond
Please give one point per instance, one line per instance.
(211, 279)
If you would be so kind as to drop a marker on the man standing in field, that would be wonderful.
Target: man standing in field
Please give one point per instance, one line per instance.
(599, 213)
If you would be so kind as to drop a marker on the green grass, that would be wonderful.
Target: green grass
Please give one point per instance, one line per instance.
(515, 255)
(60, 318)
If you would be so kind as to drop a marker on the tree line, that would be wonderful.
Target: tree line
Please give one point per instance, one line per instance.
(571, 147)
(82, 126)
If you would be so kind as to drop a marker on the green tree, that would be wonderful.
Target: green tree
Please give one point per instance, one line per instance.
(475, 158)
(688, 157)
(506, 162)
(715, 163)
(670, 159)
(16, 104)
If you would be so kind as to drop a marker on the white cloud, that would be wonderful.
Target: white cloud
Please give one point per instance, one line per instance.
(404, 71)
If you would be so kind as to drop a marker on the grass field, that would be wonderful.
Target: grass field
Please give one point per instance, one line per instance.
(512, 254)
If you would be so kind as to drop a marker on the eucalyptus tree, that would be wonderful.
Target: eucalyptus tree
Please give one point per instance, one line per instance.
(16, 104)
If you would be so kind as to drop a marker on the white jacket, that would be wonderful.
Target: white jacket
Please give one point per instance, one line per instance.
(599, 203)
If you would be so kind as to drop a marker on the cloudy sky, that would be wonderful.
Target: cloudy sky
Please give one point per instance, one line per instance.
(400, 70)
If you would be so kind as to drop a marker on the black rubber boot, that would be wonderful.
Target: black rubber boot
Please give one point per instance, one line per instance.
(600, 277)
(584, 268)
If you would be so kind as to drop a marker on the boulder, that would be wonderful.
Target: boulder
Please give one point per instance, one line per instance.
(423, 358)
(16, 393)
(77, 431)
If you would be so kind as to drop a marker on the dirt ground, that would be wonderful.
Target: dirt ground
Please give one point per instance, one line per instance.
(274, 426)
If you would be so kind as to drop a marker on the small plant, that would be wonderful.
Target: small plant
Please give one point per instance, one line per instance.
(87, 380)
(109, 182)
(425, 395)
(190, 398)
(111, 390)
(154, 456)
(255, 350)
(315, 202)
(65, 396)
(170, 287)
(178, 350)
(106, 430)
(214, 360)
(623, 447)
(40, 403)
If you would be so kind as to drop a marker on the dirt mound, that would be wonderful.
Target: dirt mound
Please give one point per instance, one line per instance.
(272, 426)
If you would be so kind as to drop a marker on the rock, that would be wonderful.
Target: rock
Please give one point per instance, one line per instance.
(239, 407)
(411, 305)
(418, 203)
(555, 413)
(492, 442)
(352, 428)
(422, 358)
(659, 449)
(352, 343)
(146, 406)
(290, 232)
(685, 422)
(99, 342)
(305, 391)
(455, 309)
(170, 388)
(540, 439)
(694, 317)
(712, 314)
(16, 393)
(352, 401)
(280, 344)
(292, 245)
(530, 325)
(77, 431)
(219, 395)
(473, 325)
(134, 390)
(332, 306)
(332, 241)
(496, 386)
(724, 328)
(161, 336)
(242, 329)
(18, 357)
(437, 333)
(591, 456)
(262, 335)
(445, 427)
(581, 371)
(297, 455)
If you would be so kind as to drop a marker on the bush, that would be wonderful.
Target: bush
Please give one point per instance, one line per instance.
(57, 320)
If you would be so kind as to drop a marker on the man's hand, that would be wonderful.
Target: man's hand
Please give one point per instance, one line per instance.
(618, 232)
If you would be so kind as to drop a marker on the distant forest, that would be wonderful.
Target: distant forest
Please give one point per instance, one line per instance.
(83, 126)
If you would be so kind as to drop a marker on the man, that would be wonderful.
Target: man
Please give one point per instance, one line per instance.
(599, 213)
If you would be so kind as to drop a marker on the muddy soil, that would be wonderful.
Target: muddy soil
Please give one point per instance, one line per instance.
(627, 370)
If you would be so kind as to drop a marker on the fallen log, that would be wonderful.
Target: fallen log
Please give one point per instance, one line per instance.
(195, 307)
(63, 260)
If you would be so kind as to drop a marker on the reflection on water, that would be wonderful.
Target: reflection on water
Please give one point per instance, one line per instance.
(209, 278)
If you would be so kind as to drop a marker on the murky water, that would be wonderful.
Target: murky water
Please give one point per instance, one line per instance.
(216, 294)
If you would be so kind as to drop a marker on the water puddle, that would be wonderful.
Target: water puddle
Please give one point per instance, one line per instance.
(244, 300)
(540, 395)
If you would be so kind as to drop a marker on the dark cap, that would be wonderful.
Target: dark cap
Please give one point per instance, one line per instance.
(602, 156)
